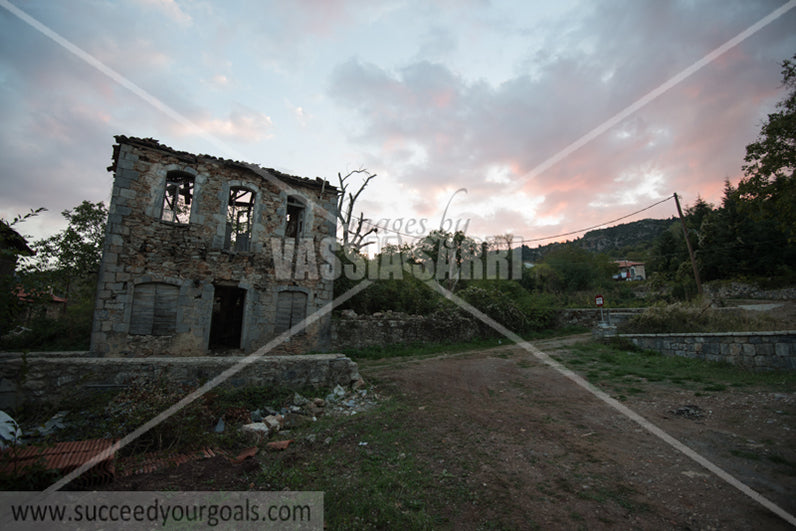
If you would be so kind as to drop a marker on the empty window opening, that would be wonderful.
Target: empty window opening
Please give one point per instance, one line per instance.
(291, 309)
(154, 310)
(177, 198)
(294, 226)
(240, 212)
(226, 324)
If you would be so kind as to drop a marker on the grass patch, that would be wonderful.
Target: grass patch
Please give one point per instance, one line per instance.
(369, 473)
(419, 349)
(619, 363)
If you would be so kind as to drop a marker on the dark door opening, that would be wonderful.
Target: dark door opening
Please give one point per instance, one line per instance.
(227, 321)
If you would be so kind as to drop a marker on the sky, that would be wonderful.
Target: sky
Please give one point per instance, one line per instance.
(498, 117)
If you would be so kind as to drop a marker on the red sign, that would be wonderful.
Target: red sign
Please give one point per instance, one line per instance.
(598, 300)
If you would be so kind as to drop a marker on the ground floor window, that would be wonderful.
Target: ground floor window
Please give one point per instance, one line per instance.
(154, 309)
(291, 309)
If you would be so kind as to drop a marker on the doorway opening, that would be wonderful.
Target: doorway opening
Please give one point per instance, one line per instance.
(226, 325)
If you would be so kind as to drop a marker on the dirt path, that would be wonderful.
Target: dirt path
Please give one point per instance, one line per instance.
(502, 441)
(532, 449)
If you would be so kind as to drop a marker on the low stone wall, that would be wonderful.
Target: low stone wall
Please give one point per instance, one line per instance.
(591, 317)
(741, 290)
(753, 350)
(52, 377)
(389, 328)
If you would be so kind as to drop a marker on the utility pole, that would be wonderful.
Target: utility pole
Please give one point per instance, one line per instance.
(688, 244)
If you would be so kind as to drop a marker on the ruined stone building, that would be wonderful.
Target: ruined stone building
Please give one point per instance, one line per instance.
(192, 255)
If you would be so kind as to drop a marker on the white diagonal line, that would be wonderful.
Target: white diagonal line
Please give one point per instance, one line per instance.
(172, 113)
(618, 406)
(151, 99)
(661, 89)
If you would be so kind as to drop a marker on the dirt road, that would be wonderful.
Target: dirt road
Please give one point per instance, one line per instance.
(536, 450)
(499, 440)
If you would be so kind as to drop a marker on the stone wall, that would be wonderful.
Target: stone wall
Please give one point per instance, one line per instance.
(753, 350)
(591, 317)
(390, 328)
(741, 290)
(54, 377)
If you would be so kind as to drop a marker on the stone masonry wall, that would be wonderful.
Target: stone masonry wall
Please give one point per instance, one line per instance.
(740, 290)
(753, 350)
(53, 377)
(141, 248)
(591, 317)
(391, 328)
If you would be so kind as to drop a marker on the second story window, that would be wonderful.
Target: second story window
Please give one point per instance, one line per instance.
(177, 198)
(294, 226)
(240, 214)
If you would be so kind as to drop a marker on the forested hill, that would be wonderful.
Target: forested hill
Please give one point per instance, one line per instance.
(618, 241)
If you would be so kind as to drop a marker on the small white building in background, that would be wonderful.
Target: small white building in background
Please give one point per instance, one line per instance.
(629, 270)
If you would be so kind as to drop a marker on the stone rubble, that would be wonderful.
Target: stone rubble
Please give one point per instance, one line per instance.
(301, 410)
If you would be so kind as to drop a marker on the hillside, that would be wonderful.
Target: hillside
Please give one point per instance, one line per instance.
(618, 241)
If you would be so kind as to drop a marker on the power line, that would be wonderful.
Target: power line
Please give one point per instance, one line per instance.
(598, 225)
(418, 236)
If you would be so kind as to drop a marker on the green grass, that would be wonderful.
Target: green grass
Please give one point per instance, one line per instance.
(428, 349)
(626, 369)
(377, 485)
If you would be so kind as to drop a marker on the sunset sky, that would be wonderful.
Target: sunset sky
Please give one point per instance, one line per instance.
(553, 116)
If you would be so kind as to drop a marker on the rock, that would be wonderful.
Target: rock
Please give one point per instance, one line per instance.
(219, 426)
(257, 415)
(689, 411)
(348, 314)
(320, 402)
(55, 423)
(274, 422)
(299, 400)
(9, 430)
(257, 430)
(314, 410)
(294, 421)
(337, 393)
(358, 384)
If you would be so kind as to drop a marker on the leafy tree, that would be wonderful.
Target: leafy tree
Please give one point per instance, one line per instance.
(768, 188)
(65, 264)
(733, 243)
(79, 246)
(575, 269)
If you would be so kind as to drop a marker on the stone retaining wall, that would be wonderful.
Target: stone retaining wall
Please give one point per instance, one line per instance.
(741, 290)
(753, 350)
(591, 317)
(390, 328)
(52, 377)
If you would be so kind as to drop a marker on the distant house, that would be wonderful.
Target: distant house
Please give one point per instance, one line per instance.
(629, 270)
(45, 304)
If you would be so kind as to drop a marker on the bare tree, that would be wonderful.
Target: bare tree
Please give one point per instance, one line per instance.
(353, 236)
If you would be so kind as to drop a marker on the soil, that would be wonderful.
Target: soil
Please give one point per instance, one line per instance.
(534, 450)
